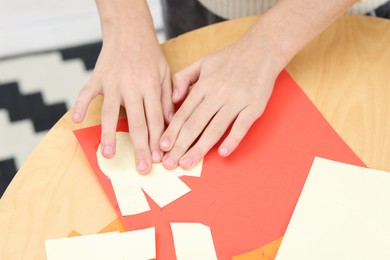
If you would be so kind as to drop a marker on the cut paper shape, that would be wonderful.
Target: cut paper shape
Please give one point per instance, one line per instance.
(135, 245)
(99, 247)
(267, 252)
(74, 234)
(246, 199)
(343, 212)
(115, 225)
(138, 244)
(193, 241)
(160, 184)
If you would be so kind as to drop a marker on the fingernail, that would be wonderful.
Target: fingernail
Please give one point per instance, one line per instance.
(108, 151)
(165, 143)
(224, 151)
(186, 162)
(156, 156)
(142, 166)
(76, 116)
(170, 162)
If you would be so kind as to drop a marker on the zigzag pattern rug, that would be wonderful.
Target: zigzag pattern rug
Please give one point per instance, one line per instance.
(35, 91)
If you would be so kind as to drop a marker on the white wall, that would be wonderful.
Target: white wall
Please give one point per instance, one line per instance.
(34, 25)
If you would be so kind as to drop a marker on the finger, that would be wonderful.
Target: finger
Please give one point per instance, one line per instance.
(191, 129)
(211, 135)
(138, 133)
(184, 79)
(244, 121)
(166, 97)
(155, 120)
(169, 136)
(109, 115)
(85, 96)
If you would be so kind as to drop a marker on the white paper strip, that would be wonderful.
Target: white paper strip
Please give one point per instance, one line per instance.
(138, 244)
(193, 241)
(134, 245)
(97, 247)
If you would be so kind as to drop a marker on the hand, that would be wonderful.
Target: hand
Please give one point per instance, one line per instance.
(136, 76)
(232, 85)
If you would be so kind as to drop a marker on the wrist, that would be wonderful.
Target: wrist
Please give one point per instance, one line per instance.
(125, 20)
(276, 47)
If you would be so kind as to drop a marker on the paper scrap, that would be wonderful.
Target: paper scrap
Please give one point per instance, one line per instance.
(266, 252)
(131, 199)
(193, 241)
(98, 247)
(160, 184)
(343, 213)
(115, 225)
(135, 245)
(163, 186)
(138, 244)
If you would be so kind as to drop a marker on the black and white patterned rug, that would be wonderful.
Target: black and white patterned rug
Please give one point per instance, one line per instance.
(35, 91)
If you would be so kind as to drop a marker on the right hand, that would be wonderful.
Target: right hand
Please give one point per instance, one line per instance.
(137, 76)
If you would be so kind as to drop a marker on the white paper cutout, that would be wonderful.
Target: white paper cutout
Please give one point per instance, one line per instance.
(138, 244)
(134, 245)
(162, 185)
(120, 170)
(343, 213)
(193, 241)
(129, 195)
(97, 247)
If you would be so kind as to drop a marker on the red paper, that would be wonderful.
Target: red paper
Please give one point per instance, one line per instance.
(248, 198)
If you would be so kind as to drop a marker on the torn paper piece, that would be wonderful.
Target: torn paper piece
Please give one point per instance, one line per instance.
(343, 212)
(131, 199)
(138, 244)
(134, 245)
(97, 247)
(128, 193)
(163, 187)
(193, 241)
(160, 184)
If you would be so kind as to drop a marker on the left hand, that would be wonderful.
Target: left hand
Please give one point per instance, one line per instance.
(232, 85)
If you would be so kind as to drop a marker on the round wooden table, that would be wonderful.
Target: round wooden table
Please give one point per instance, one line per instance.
(344, 71)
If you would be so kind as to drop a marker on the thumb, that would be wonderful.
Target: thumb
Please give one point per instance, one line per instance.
(184, 79)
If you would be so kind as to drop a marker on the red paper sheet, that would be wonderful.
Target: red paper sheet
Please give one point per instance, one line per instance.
(248, 198)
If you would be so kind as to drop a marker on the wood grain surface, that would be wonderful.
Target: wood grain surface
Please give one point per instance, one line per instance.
(344, 71)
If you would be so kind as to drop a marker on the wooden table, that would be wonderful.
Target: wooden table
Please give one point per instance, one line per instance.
(344, 71)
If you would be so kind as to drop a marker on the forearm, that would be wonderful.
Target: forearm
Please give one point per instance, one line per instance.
(291, 24)
(125, 19)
